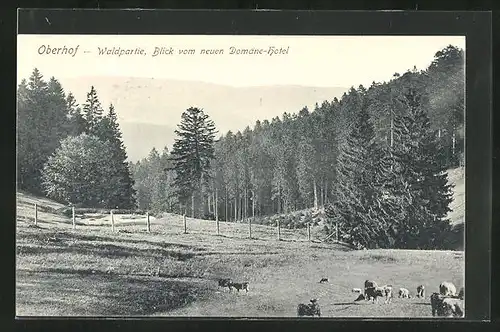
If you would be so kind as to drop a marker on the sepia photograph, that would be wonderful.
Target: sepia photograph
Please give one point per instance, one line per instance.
(250, 176)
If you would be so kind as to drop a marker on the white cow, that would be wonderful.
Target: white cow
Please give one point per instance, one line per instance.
(446, 288)
(445, 306)
(404, 293)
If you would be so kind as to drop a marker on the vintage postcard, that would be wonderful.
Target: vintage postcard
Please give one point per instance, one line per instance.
(240, 176)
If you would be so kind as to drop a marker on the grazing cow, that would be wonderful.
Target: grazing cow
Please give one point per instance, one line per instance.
(461, 293)
(225, 283)
(374, 293)
(310, 309)
(360, 297)
(387, 291)
(357, 290)
(369, 284)
(421, 291)
(446, 306)
(323, 280)
(239, 286)
(436, 303)
(453, 307)
(404, 293)
(447, 288)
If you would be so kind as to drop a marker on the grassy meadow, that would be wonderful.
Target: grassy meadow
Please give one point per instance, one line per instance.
(92, 271)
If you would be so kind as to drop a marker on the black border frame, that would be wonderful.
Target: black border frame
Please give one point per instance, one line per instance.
(476, 26)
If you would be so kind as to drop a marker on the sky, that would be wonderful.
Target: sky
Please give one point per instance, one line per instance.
(322, 61)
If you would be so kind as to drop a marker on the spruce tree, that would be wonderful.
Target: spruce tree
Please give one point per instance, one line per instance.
(92, 112)
(122, 183)
(166, 200)
(57, 113)
(143, 191)
(25, 125)
(421, 178)
(33, 132)
(76, 120)
(305, 171)
(356, 209)
(230, 173)
(192, 153)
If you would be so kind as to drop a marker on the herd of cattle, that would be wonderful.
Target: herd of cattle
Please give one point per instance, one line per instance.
(446, 303)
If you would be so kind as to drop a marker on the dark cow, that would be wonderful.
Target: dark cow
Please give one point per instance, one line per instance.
(369, 284)
(421, 291)
(461, 293)
(225, 283)
(373, 293)
(239, 286)
(311, 309)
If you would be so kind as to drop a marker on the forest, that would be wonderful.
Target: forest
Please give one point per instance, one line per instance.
(374, 160)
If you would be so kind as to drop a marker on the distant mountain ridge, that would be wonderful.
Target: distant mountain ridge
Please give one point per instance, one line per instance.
(149, 109)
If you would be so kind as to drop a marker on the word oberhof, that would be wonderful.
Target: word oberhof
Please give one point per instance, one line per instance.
(46, 49)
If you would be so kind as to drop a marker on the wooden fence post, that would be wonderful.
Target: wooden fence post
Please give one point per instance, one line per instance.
(112, 221)
(148, 223)
(185, 226)
(279, 231)
(36, 214)
(250, 227)
(309, 232)
(337, 232)
(73, 216)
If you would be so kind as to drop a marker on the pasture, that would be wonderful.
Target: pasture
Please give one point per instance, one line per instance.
(92, 271)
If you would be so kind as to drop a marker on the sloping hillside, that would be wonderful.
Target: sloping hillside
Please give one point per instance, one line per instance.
(92, 271)
(296, 219)
(47, 210)
(457, 178)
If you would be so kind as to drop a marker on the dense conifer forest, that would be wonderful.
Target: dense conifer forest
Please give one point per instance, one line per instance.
(374, 161)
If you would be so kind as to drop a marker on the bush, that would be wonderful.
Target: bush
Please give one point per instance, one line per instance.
(76, 171)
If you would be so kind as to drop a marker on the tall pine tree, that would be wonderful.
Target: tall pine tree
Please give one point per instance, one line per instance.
(192, 153)
(42, 125)
(122, 184)
(421, 178)
(356, 209)
(92, 112)
(76, 121)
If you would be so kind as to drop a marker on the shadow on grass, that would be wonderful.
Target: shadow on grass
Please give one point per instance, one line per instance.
(331, 246)
(346, 303)
(238, 253)
(380, 258)
(31, 220)
(102, 250)
(88, 294)
(76, 236)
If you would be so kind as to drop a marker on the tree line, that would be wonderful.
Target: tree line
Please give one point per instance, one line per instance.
(69, 153)
(374, 160)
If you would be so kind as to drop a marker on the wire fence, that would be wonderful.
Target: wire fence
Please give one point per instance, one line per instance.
(134, 221)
